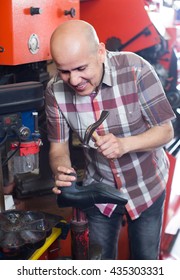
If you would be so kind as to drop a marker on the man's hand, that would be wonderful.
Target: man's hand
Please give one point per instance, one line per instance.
(113, 147)
(110, 146)
(63, 178)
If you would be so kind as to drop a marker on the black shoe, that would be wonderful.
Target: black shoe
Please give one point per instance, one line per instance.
(86, 196)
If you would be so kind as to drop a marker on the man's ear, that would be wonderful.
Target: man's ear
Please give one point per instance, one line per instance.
(102, 51)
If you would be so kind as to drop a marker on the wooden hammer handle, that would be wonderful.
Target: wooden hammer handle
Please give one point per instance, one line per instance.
(95, 136)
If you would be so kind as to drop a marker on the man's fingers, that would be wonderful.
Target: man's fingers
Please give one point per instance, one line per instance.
(56, 190)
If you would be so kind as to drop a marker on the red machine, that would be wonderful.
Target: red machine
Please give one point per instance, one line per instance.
(125, 20)
(26, 27)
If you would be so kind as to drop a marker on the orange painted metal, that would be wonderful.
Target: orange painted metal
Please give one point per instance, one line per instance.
(19, 27)
(122, 19)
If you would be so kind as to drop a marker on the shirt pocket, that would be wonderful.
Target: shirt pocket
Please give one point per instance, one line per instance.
(126, 121)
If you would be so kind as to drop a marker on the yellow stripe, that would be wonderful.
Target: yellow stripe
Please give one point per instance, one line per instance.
(49, 240)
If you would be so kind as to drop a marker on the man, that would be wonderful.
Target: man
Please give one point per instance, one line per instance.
(128, 152)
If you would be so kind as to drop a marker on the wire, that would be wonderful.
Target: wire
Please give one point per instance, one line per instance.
(4, 139)
(16, 132)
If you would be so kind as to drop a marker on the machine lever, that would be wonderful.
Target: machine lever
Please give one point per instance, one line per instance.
(146, 31)
(71, 12)
(35, 11)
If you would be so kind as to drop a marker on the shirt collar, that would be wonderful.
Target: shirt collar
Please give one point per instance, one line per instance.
(108, 72)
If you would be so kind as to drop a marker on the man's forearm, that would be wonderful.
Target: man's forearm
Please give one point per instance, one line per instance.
(56, 161)
(59, 155)
(151, 139)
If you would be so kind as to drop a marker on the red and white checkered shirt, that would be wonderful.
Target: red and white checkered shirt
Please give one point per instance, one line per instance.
(133, 95)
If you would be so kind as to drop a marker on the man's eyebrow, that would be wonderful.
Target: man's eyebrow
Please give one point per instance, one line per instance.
(68, 70)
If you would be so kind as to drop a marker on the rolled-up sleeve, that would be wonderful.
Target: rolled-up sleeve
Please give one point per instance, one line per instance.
(154, 103)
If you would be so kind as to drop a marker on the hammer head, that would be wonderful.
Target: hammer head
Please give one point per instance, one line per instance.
(91, 128)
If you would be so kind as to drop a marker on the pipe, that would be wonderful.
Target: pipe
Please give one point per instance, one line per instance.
(79, 236)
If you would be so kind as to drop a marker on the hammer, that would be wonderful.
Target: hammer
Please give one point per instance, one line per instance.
(90, 131)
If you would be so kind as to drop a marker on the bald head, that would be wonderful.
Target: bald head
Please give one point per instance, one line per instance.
(78, 55)
(71, 36)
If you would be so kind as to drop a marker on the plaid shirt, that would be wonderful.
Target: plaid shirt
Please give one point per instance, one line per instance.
(132, 93)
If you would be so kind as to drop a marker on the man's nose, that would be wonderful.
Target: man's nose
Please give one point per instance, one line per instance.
(74, 78)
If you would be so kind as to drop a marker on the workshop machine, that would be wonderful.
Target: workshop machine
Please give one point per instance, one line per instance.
(26, 27)
(24, 234)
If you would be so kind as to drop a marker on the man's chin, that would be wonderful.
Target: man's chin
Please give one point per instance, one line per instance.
(84, 92)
